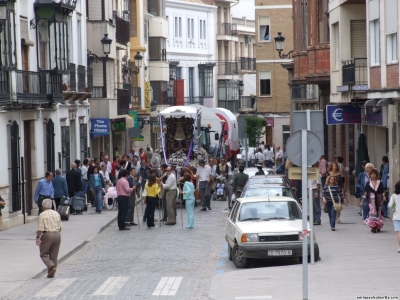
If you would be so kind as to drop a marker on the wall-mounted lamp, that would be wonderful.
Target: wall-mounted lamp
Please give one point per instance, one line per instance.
(279, 42)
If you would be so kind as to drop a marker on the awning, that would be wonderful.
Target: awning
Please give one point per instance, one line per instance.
(385, 102)
(25, 34)
(128, 120)
(371, 102)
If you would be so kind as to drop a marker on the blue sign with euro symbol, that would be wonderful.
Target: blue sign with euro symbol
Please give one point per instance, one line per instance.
(343, 114)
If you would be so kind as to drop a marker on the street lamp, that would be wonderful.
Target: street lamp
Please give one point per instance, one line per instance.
(106, 43)
(279, 42)
(138, 61)
(153, 105)
(241, 86)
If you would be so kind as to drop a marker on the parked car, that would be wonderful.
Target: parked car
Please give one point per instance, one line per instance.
(270, 179)
(265, 227)
(252, 171)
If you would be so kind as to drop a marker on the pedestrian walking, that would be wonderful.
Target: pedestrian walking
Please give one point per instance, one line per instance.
(203, 179)
(142, 155)
(339, 161)
(152, 190)
(259, 156)
(323, 169)
(315, 186)
(362, 179)
(123, 192)
(188, 196)
(260, 170)
(97, 184)
(44, 190)
(279, 156)
(149, 154)
(134, 183)
(85, 179)
(332, 192)
(268, 157)
(60, 187)
(385, 182)
(394, 205)
(103, 171)
(374, 195)
(74, 181)
(239, 181)
(333, 170)
(48, 237)
(170, 195)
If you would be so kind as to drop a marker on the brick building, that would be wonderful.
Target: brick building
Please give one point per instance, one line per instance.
(273, 92)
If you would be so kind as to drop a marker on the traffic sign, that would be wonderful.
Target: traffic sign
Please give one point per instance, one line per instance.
(295, 173)
(314, 148)
(316, 122)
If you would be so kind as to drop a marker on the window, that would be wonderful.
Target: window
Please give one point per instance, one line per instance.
(265, 83)
(178, 27)
(336, 46)
(285, 134)
(178, 72)
(391, 48)
(206, 80)
(391, 30)
(228, 95)
(65, 148)
(202, 29)
(374, 42)
(323, 21)
(264, 29)
(83, 138)
(157, 49)
(79, 29)
(190, 28)
(304, 28)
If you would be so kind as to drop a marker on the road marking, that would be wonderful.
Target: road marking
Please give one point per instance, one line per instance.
(253, 297)
(111, 286)
(168, 286)
(219, 271)
(55, 288)
(224, 254)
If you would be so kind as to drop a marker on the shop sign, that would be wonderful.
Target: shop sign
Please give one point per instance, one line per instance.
(343, 114)
(134, 115)
(100, 127)
(139, 138)
(120, 125)
(374, 118)
(156, 127)
(270, 122)
(147, 95)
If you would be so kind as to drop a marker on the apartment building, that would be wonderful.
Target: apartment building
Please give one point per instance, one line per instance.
(44, 86)
(272, 89)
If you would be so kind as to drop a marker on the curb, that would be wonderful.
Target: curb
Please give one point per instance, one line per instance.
(73, 251)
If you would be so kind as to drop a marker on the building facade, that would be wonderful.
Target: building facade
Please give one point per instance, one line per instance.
(272, 89)
(44, 86)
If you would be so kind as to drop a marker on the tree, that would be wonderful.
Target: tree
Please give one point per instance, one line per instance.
(254, 128)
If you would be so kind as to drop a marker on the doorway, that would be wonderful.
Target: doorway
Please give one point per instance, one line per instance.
(50, 145)
(28, 167)
(15, 167)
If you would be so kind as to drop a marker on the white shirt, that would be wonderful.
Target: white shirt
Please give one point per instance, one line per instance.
(313, 184)
(259, 156)
(395, 200)
(109, 166)
(268, 155)
(106, 176)
(230, 168)
(279, 154)
(137, 167)
(84, 170)
(203, 173)
(170, 183)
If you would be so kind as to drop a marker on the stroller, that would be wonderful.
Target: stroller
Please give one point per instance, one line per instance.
(220, 189)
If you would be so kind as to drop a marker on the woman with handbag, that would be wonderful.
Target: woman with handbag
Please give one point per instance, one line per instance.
(394, 205)
(332, 197)
(151, 190)
(374, 193)
(97, 184)
(188, 196)
(334, 171)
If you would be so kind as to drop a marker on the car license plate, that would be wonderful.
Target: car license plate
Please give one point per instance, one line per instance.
(279, 252)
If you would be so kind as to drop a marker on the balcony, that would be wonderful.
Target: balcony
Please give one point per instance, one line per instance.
(232, 105)
(247, 64)
(227, 32)
(123, 101)
(159, 70)
(355, 75)
(68, 5)
(76, 85)
(158, 27)
(304, 92)
(228, 68)
(194, 100)
(122, 31)
(248, 104)
(30, 87)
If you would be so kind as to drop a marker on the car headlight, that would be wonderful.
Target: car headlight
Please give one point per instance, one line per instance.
(249, 237)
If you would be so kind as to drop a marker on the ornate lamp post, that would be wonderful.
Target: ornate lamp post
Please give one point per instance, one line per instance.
(106, 43)
(279, 42)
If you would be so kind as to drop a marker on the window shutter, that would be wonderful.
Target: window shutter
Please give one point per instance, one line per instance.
(264, 21)
(391, 16)
(133, 16)
(358, 30)
(265, 75)
(110, 78)
(373, 9)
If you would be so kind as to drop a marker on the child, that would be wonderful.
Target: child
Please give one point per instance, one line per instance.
(220, 188)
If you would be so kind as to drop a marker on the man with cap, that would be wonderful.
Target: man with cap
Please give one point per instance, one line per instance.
(204, 179)
(239, 181)
(260, 170)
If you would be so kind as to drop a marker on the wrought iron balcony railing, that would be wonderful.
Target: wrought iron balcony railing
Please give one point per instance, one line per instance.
(304, 92)
(227, 29)
(227, 68)
(122, 31)
(355, 72)
(232, 105)
(248, 102)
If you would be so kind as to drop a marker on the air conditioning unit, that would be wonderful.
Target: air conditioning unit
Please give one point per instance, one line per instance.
(247, 39)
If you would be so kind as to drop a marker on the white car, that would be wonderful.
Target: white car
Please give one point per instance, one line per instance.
(265, 227)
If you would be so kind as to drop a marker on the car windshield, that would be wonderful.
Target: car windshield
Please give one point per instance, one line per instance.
(269, 210)
(253, 191)
(266, 180)
(253, 172)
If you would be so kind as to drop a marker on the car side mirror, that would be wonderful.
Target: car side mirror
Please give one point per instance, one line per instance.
(216, 136)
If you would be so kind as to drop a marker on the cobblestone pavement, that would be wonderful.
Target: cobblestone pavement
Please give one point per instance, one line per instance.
(161, 263)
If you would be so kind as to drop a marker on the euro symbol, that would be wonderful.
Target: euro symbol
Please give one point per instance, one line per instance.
(338, 114)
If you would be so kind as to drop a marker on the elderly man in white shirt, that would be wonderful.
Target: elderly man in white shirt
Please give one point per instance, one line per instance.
(279, 156)
(203, 178)
(170, 194)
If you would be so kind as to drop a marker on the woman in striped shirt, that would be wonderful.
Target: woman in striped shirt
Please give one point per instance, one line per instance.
(332, 189)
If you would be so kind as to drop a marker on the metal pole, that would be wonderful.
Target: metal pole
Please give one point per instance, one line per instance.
(304, 223)
(246, 150)
(310, 196)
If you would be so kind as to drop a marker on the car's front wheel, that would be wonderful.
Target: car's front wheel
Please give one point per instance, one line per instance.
(238, 259)
(229, 252)
(316, 256)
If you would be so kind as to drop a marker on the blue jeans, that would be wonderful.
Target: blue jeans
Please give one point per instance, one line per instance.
(269, 163)
(385, 210)
(365, 209)
(98, 199)
(85, 184)
(316, 206)
(331, 213)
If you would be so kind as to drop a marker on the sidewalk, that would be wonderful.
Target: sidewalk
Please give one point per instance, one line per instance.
(20, 259)
(354, 262)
